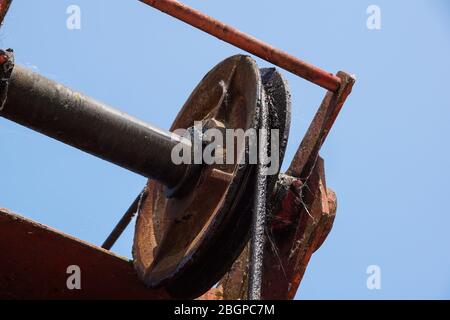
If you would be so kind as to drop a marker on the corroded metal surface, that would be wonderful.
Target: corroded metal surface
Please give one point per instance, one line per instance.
(177, 239)
(163, 249)
(275, 115)
(301, 201)
(91, 126)
(234, 285)
(301, 222)
(298, 225)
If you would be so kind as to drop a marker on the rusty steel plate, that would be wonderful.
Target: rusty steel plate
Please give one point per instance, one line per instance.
(35, 259)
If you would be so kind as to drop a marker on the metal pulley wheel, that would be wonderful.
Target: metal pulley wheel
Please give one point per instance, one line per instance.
(187, 242)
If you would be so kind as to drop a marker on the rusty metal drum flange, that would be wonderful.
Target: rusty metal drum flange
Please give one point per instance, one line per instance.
(187, 243)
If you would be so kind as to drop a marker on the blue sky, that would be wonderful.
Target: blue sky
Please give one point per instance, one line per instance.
(387, 157)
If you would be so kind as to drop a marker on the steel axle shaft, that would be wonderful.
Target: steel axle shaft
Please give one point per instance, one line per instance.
(58, 112)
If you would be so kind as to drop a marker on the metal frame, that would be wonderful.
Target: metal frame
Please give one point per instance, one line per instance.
(304, 170)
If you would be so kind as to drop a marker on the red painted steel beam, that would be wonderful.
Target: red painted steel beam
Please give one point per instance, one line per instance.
(246, 42)
(34, 261)
(4, 6)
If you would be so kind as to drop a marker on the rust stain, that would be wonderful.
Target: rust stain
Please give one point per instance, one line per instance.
(299, 224)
